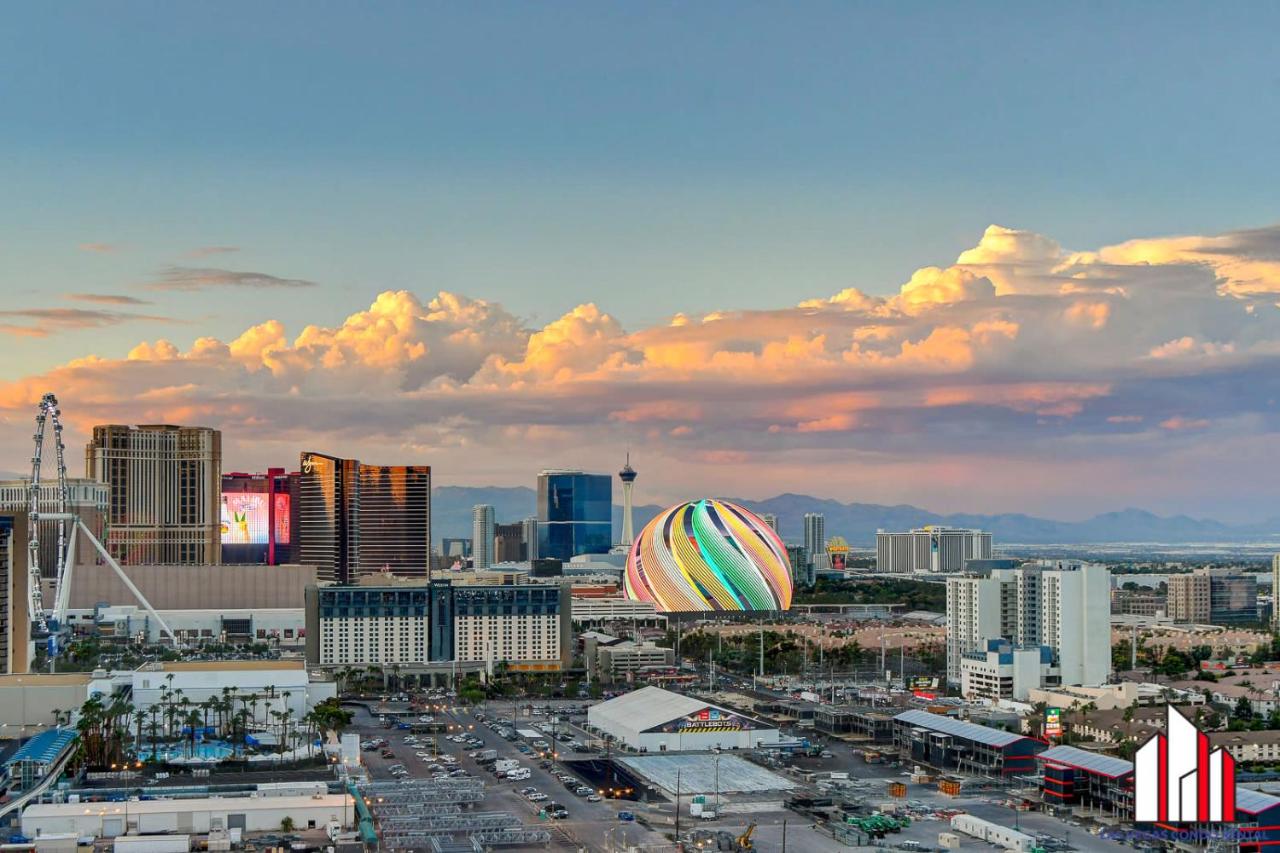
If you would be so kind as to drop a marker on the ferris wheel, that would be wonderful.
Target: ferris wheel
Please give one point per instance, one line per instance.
(49, 622)
(47, 415)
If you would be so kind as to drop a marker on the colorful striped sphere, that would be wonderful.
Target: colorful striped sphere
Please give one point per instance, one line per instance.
(709, 555)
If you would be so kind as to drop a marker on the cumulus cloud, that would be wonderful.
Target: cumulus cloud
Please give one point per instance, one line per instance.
(1021, 350)
(204, 278)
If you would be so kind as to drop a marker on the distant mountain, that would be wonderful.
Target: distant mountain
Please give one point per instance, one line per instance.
(858, 522)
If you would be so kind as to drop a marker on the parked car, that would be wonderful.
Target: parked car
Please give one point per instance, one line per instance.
(626, 816)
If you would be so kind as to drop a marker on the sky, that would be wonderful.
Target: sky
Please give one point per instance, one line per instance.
(988, 257)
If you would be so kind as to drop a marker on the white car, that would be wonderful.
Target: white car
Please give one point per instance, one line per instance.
(537, 797)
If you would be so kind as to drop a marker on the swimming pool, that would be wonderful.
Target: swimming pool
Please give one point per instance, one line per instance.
(213, 750)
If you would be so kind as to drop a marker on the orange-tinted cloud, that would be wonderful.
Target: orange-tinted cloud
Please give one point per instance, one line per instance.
(1018, 343)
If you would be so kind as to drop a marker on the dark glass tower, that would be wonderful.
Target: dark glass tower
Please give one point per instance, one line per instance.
(328, 515)
(395, 519)
(575, 514)
(358, 519)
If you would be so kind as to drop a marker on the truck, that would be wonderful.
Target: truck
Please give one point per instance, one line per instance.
(486, 755)
(152, 844)
(505, 764)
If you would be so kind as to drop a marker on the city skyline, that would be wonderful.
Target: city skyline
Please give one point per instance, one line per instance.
(863, 264)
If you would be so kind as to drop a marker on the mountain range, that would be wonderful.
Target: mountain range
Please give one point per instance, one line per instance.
(858, 522)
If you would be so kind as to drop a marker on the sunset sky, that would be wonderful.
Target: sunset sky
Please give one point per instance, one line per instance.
(987, 257)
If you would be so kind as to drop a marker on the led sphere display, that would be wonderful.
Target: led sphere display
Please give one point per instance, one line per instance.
(709, 555)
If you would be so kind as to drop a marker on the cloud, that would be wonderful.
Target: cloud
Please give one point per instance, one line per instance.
(99, 248)
(206, 251)
(204, 278)
(106, 298)
(1177, 422)
(46, 321)
(1021, 355)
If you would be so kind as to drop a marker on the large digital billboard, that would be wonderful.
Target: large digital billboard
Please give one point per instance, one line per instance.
(245, 518)
(282, 518)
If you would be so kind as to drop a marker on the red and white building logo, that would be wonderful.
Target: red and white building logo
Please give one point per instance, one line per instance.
(1177, 779)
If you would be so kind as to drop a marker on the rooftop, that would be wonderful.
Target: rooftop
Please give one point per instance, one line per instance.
(216, 805)
(959, 728)
(697, 774)
(45, 679)
(1230, 739)
(45, 747)
(218, 665)
(645, 708)
(1082, 759)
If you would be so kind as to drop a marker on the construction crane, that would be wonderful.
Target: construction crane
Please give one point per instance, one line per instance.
(744, 840)
(48, 623)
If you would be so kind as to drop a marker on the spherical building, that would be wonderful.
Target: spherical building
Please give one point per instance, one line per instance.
(709, 555)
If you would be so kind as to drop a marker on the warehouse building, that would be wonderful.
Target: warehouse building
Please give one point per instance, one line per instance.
(949, 744)
(1075, 777)
(196, 816)
(657, 720)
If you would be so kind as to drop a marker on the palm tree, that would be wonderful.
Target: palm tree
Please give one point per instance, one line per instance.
(193, 720)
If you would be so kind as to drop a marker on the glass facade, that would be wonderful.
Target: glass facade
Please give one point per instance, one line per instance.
(356, 602)
(328, 511)
(506, 601)
(575, 514)
(358, 519)
(395, 519)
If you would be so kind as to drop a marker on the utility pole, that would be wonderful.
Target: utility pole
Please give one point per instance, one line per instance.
(717, 786)
(677, 806)
(784, 836)
(762, 648)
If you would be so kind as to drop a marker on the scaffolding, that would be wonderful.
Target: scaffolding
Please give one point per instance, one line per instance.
(432, 815)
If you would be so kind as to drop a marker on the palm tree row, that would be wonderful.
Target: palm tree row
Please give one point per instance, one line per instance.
(109, 730)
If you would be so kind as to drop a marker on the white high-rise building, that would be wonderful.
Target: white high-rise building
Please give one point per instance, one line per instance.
(1061, 605)
(815, 535)
(531, 537)
(930, 549)
(1275, 591)
(482, 521)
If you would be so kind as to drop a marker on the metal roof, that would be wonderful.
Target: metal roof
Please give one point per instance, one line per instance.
(648, 707)
(643, 709)
(45, 747)
(1082, 759)
(1254, 802)
(959, 728)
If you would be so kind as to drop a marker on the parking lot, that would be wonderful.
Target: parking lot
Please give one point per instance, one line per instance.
(595, 825)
